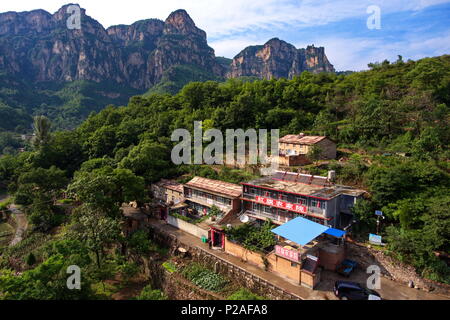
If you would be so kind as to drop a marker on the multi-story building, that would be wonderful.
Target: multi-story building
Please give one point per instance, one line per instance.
(202, 194)
(295, 148)
(168, 191)
(287, 195)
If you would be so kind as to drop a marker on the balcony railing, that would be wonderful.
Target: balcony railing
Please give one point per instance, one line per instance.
(210, 202)
(273, 217)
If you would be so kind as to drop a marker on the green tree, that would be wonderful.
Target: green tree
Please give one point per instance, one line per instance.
(150, 160)
(315, 153)
(96, 231)
(42, 127)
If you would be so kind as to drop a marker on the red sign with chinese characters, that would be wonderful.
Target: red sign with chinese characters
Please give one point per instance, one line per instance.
(282, 205)
(286, 253)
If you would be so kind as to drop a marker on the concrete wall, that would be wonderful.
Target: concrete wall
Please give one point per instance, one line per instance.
(187, 227)
(245, 255)
(310, 280)
(290, 161)
(329, 149)
(237, 274)
(285, 267)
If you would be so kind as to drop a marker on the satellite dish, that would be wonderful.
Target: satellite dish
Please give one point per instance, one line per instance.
(244, 218)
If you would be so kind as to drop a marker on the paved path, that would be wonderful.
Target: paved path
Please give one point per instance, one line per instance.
(390, 290)
(22, 224)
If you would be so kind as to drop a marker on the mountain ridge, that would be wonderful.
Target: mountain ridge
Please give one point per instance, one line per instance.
(149, 55)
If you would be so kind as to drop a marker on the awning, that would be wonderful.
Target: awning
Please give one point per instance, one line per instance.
(300, 230)
(335, 232)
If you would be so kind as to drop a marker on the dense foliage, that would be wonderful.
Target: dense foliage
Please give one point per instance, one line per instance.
(391, 124)
(254, 238)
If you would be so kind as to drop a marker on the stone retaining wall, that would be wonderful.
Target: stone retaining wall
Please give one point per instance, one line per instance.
(237, 274)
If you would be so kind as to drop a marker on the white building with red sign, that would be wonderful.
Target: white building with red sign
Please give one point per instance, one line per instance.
(287, 195)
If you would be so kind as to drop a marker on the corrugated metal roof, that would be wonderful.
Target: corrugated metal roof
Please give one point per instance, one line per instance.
(299, 139)
(300, 230)
(216, 186)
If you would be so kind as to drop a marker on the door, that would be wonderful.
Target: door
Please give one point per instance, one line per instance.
(217, 239)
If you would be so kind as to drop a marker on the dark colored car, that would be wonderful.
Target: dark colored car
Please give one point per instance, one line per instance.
(346, 290)
(346, 267)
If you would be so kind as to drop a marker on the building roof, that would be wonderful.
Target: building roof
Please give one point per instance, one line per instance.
(171, 185)
(216, 186)
(301, 139)
(302, 231)
(304, 184)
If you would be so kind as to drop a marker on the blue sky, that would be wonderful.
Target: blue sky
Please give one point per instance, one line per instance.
(411, 28)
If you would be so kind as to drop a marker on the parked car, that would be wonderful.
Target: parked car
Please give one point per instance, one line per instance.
(347, 290)
(346, 267)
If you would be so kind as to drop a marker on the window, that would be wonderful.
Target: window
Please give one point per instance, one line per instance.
(302, 200)
(268, 209)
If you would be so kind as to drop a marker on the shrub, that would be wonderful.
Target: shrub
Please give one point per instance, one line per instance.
(170, 266)
(31, 259)
(148, 293)
(244, 294)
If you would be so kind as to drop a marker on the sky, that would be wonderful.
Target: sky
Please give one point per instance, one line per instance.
(411, 28)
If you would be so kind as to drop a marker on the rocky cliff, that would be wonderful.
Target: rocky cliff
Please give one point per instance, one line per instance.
(64, 73)
(38, 46)
(278, 59)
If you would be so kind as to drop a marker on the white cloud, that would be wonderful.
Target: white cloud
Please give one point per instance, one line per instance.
(232, 25)
(356, 53)
(225, 17)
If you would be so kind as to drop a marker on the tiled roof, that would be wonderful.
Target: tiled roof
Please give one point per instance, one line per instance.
(171, 185)
(299, 139)
(216, 186)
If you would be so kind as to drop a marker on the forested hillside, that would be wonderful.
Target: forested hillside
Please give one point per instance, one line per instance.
(394, 108)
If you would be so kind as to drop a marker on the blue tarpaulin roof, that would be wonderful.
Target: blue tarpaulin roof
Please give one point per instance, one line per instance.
(303, 231)
(300, 230)
(335, 232)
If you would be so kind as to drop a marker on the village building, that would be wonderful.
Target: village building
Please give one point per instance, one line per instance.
(189, 206)
(166, 194)
(201, 194)
(295, 148)
(168, 191)
(287, 195)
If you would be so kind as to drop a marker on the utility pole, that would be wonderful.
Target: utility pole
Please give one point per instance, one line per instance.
(379, 215)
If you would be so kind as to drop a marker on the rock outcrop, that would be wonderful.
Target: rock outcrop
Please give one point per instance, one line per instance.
(278, 59)
(39, 47)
